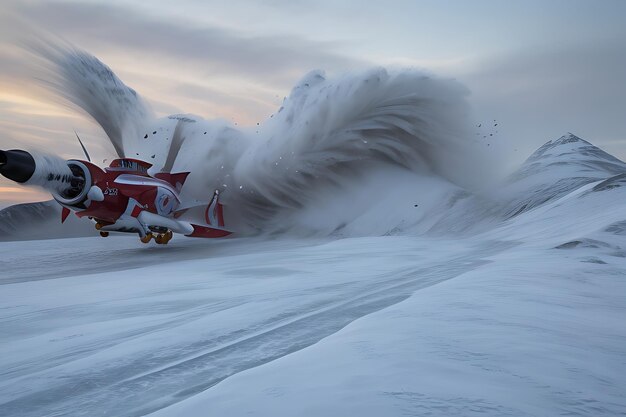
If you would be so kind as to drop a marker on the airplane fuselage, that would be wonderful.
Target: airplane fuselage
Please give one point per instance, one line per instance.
(124, 197)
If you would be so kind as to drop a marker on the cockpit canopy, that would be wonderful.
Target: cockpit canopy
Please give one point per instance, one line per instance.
(129, 165)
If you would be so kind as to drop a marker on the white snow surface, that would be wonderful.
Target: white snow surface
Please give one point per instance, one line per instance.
(524, 318)
(525, 328)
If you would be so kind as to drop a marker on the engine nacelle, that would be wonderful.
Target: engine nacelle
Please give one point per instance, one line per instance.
(17, 165)
(75, 194)
(69, 181)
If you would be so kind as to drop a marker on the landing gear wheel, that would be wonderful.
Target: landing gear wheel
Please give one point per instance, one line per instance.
(104, 234)
(98, 226)
(163, 238)
(146, 238)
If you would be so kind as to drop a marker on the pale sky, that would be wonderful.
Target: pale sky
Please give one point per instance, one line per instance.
(540, 68)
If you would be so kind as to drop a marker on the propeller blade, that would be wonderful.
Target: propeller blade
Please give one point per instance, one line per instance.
(82, 146)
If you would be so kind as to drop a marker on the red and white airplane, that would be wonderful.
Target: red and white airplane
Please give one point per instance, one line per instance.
(123, 197)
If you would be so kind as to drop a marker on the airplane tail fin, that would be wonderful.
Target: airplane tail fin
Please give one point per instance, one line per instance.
(214, 213)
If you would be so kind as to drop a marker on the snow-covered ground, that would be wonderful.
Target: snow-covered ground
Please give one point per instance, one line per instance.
(525, 317)
(537, 330)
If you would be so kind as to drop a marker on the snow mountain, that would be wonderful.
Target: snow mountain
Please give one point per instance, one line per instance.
(40, 221)
(555, 169)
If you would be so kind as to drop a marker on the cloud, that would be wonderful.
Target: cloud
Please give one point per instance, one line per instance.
(215, 50)
(540, 94)
(536, 94)
(15, 194)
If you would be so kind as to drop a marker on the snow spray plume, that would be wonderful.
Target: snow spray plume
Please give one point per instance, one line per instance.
(81, 79)
(328, 134)
(331, 131)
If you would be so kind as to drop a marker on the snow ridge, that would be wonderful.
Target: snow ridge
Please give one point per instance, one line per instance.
(555, 169)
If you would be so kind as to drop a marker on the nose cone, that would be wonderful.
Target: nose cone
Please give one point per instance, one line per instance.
(17, 165)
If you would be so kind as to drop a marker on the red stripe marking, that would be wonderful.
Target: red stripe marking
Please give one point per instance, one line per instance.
(64, 213)
(207, 232)
(136, 211)
(220, 215)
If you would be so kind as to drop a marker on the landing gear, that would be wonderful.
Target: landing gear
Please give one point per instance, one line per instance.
(104, 234)
(164, 238)
(159, 238)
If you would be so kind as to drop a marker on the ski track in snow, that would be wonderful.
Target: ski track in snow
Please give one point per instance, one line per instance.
(103, 255)
(305, 310)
